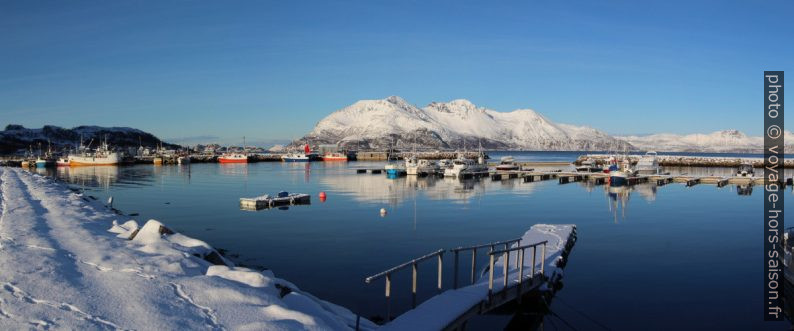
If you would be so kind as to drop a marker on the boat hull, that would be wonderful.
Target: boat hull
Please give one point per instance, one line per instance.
(618, 181)
(222, 160)
(290, 159)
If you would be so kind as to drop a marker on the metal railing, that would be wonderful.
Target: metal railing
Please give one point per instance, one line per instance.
(493, 253)
(519, 264)
(473, 249)
(415, 270)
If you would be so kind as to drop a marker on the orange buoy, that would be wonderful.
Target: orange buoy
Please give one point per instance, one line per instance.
(322, 197)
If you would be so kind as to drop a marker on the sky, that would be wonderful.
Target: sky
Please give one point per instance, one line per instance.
(197, 71)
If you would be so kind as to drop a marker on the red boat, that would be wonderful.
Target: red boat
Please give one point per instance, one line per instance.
(233, 158)
(334, 157)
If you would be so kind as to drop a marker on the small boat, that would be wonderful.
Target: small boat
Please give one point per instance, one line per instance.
(157, 160)
(44, 162)
(418, 167)
(394, 169)
(295, 157)
(298, 157)
(62, 161)
(745, 170)
(183, 160)
(281, 199)
(333, 156)
(25, 164)
(234, 157)
(588, 165)
(648, 164)
(620, 177)
(459, 167)
(507, 163)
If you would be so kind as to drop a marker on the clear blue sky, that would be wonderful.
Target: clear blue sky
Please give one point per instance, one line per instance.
(271, 70)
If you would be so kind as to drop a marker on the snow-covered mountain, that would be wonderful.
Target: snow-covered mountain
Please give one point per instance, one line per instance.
(377, 124)
(716, 142)
(16, 137)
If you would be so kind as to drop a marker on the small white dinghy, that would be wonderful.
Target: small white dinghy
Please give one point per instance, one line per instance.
(281, 199)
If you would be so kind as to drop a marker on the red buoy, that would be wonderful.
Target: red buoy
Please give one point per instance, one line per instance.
(322, 196)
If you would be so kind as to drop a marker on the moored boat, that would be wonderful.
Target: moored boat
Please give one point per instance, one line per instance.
(507, 163)
(233, 158)
(745, 170)
(649, 164)
(621, 176)
(101, 156)
(183, 160)
(418, 167)
(333, 156)
(43, 162)
(62, 161)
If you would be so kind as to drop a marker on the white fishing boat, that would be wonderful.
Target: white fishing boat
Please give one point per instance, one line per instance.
(649, 164)
(183, 160)
(507, 163)
(101, 156)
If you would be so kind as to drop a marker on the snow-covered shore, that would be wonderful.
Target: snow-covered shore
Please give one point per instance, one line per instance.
(62, 268)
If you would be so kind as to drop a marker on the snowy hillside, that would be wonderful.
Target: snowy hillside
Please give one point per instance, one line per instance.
(17, 137)
(441, 125)
(719, 141)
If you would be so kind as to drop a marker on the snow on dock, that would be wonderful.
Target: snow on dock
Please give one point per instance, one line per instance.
(68, 264)
(453, 307)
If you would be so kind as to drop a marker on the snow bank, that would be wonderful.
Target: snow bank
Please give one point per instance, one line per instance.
(69, 265)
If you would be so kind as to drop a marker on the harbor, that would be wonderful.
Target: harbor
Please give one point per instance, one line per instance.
(491, 208)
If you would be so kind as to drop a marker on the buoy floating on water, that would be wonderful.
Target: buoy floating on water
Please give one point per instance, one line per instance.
(383, 212)
(322, 196)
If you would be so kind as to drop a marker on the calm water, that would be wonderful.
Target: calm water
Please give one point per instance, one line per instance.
(647, 257)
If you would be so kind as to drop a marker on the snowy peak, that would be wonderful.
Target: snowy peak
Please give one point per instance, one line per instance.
(378, 124)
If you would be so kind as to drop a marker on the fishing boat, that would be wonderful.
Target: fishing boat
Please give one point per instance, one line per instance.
(444, 163)
(745, 170)
(333, 156)
(649, 164)
(507, 163)
(157, 160)
(183, 160)
(101, 156)
(298, 157)
(62, 161)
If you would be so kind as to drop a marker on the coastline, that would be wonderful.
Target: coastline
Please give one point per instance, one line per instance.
(76, 267)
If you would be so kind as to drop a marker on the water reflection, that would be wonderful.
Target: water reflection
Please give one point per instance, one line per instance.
(89, 176)
(380, 188)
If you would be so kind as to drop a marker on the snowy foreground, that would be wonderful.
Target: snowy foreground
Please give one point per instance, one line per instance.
(68, 263)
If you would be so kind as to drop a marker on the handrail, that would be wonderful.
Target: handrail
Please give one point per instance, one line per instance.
(415, 270)
(519, 264)
(495, 243)
(473, 250)
(401, 266)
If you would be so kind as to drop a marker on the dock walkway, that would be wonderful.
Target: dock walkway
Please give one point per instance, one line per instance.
(523, 267)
